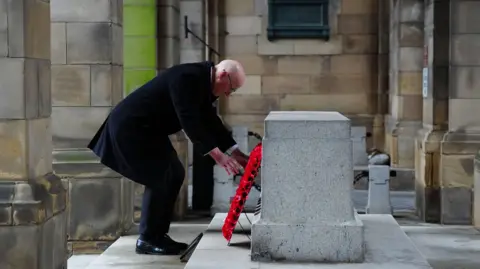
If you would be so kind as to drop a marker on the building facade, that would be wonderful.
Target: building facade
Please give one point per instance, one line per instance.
(405, 69)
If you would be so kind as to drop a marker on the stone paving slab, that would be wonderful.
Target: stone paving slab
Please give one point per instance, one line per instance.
(121, 254)
(387, 247)
(447, 247)
(81, 261)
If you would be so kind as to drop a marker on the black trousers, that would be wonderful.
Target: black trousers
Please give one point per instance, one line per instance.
(159, 200)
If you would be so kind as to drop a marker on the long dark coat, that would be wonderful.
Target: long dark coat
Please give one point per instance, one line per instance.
(133, 140)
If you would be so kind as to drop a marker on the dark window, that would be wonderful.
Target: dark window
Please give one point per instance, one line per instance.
(298, 19)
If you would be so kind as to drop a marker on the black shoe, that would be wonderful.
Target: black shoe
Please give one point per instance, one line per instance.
(164, 246)
(169, 241)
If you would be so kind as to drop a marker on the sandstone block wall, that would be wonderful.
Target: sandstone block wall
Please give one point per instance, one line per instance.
(462, 142)
(168, 23)
(406, 63)
(87, 73)
(340, 74)
(191, 49)
(33, 201)
(87, 81)
(449, 140)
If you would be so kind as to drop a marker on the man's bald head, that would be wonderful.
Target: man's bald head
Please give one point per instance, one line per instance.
(229, 76)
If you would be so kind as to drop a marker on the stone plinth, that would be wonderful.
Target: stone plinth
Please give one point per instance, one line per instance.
(386, 247)
(307, 171)
(33, 224)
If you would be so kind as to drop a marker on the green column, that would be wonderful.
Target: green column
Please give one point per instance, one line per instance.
(140, 42)
(139, 56)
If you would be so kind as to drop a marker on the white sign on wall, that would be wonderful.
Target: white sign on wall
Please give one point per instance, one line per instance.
(425, 82)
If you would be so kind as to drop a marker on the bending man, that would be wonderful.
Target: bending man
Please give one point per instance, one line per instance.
(134, 142)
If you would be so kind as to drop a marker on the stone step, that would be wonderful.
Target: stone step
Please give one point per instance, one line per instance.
(81, 261)
(387, 247)
(121, 254)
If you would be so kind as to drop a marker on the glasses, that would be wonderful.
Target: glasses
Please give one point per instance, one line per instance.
(232, 89)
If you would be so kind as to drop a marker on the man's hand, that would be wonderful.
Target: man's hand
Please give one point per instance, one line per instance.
(228, 163)
(240, 157)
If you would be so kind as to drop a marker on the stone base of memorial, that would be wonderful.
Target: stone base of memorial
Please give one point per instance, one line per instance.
(307, 213)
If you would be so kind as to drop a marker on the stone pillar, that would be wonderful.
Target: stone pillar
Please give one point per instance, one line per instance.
(140, 57)
(87, 81)
(462, 142)
(180, 143)
(168, 33)
(307, 169)
(435, 111)
(214, 27)
(168, 45)
(32, 199)
(476, 191)
(140, 42)
(382, 74)
(406, 62)
(192, 50)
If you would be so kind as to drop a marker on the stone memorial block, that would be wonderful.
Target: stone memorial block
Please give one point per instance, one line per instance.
(307, 213)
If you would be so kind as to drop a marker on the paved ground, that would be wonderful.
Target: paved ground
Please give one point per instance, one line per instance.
(445, 247)
(121, 254)
(81, 261)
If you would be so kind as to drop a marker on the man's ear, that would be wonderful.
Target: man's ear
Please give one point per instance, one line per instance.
(223, 74)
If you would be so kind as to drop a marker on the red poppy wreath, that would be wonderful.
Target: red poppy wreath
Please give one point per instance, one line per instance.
(246, 183)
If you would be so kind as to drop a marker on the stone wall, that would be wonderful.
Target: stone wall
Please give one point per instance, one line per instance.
(476, 191)
(87, 81)
(33, 200)
(462, 142)
(450, 136)
(404, 117)
(168, 33)
(435, 112)
(191, 49)
(340, 74)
